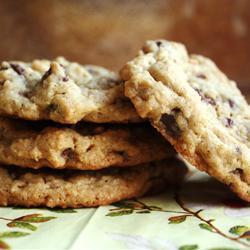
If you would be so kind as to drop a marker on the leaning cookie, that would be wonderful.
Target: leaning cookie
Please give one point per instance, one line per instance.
(85, 146)
(65, 188)
(64, 92)
(194, 106)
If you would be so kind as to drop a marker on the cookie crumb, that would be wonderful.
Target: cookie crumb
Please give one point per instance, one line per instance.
(170, 125)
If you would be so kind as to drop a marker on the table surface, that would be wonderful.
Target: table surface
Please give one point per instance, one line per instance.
(201, 214)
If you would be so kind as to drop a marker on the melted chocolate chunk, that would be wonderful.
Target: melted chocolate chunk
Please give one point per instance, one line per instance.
(68, 154)
(65, 79)
(17, 68)
(229, 122)
(46, 75)
(159, 43)
(52, 107)
(90, 147)
(231, 103)
(63, 66)
(202, 76)
(26, 94)
(238, 150)
(239, 172)
(209, 100)
(171, 126)
(206, 98)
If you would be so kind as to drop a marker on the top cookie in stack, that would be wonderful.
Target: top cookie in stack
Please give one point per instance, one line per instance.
(63, 92)
(62, 115)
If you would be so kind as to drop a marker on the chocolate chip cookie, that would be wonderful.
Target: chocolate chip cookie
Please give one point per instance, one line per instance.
(64, 92)
(81, 146)
(65, 188)
(194, 106)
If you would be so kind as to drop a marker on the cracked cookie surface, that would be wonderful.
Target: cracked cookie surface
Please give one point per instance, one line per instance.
(64, 92)
(194, 106)
(80, 146)
(65, 188)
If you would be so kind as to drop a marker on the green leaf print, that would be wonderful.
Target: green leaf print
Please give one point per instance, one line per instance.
(155, 208)
(238, 230)
(37, 219)
(27, 217)
(128, 204)
(120, 213)
(63, 211)
(177, 219)
(21, 224)
(15, 234)
(143, 212)
(206, 227)
(188, 247)
(123, 204)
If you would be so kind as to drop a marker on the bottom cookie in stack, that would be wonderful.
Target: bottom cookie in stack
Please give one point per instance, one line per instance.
(85, 188)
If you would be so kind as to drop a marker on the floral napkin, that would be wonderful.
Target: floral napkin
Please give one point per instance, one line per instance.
(201, 214)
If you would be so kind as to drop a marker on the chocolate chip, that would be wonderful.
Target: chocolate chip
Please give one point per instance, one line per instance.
(65, 79)
(205, 97)
(17, 68)
(62, 65)
(26, 94)
(90, 147)
(231, 103)
(239, 172)
(229, 122)
(209, 100)
(145, 50)
(68, 153)
(202, 76)
(47, 74)
(238, 150)
(170, 125)
(52, 107)
(198, 91)
(158, 43)
(124, 154)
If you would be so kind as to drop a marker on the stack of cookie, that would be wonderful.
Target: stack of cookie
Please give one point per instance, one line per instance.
(70, 138)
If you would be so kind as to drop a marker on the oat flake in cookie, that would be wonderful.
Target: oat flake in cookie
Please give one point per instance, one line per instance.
(194, 106)
(63, 91)
(84, 146)
(62, 188)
